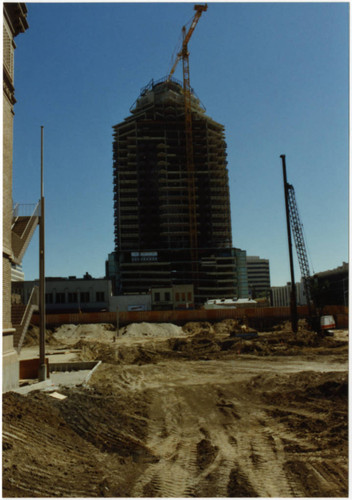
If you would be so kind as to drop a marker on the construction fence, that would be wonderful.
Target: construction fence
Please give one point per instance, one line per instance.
(260, 318)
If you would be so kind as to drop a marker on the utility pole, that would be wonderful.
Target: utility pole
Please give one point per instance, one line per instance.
(42, 366)
(117, 323)
(294, 321)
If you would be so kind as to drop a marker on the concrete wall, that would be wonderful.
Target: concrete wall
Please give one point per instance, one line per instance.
(10, 364)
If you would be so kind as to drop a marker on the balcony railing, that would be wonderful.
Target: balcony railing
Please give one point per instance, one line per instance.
(26, 210)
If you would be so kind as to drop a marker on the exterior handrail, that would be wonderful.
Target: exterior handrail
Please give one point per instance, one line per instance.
(15, 210)
(31, 306)
(32, 301)
(26, 210)
(35, 213)
(20, 242)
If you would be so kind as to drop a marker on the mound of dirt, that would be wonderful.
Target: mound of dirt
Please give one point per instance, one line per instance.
(287, 327)
(73, 446)
(204, 343)
(71, 333)
(152, 330)
(193, 327)
(224, 328)
(200, 345)
(32, 337)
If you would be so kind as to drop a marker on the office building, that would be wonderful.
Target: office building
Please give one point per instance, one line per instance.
(258, 276)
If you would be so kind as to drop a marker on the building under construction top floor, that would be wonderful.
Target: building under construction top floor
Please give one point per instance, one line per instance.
(152, 202)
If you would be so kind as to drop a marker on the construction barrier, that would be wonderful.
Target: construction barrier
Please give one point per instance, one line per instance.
(257, 317)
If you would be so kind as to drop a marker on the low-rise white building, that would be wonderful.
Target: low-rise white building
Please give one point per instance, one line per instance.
(229, 303)
(131, 302)
(281, 295)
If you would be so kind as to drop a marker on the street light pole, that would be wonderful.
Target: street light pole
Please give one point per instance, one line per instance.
(42, 366)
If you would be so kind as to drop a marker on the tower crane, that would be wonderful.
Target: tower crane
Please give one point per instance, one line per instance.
(184, 54)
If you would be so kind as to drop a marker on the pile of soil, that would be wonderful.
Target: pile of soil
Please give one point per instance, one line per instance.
(205, 341)
(286, 326)
(73, 446)
(152, 330)
(32, 337)
(99, 331)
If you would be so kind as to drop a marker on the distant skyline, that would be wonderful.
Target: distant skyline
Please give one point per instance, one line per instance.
(274, 74)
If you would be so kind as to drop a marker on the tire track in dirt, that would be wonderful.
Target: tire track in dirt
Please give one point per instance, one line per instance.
(54, 460)
(237, 450)
(38, 475)
(227, 428)
(213, 435)
(246, 451)
(172, 475)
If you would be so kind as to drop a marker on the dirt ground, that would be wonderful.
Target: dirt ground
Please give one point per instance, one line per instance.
(192, 412)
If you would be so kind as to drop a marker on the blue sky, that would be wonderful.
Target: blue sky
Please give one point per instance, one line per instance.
(274, 74)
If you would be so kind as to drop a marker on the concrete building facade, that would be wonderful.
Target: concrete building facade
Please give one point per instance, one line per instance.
(258, 271)
(174, 297)
(152, 204)
(131, 302)
(72, 294)
(241, 274)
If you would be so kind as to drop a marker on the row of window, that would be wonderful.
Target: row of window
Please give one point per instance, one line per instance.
(179, 297)
(72, 297)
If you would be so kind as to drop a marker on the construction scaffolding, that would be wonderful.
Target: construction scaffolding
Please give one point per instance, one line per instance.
(153, 238)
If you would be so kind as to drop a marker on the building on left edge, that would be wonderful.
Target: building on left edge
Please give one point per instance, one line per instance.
(14, 23)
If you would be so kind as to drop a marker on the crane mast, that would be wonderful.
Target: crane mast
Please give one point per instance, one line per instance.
(192, 206)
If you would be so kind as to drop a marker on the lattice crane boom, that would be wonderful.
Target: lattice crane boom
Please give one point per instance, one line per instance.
(186, 38)
(297, 230)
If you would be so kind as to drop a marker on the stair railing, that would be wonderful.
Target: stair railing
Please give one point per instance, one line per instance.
(18, 242)
(23, 210)
(31, 306)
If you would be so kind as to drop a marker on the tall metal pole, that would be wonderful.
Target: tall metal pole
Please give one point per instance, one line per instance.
(117, 322)
(42, 366)
(294, 321)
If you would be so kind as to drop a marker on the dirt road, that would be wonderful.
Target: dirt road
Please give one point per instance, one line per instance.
(188, 417)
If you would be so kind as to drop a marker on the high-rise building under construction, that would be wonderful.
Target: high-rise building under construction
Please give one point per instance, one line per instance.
(153, 241)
